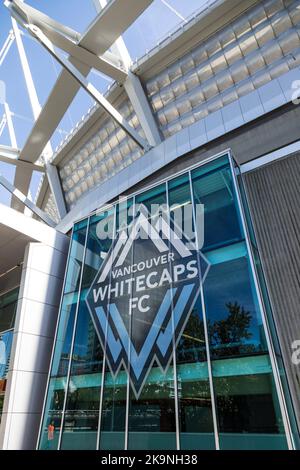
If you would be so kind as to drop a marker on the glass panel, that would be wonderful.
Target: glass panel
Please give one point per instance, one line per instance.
(82, 406)
(113, 411)
(234, 318)
(112, 436)
(75, 258)
(8, 307)
(154, 197)
(212, 186)
(247, 404)
(195, 413)
(5, 350)
(58, 376)
(248, 412)
(152, 408)
(237, 335)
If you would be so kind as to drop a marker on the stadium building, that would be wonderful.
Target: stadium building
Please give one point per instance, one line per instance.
(121, 329)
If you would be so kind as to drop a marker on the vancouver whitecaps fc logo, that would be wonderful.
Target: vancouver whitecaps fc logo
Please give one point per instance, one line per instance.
(143, 294)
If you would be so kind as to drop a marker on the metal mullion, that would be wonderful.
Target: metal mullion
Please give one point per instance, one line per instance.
(105, 345)
(6, 331)
(73, 340)
(54, 340)
(272, 354)
(209, 366)
(173, 341)
(129, 351)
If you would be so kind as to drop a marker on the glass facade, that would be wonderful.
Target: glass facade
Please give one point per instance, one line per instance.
(8, 307)
(206, 381)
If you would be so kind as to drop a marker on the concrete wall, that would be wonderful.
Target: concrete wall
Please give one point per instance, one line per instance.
(39, 297)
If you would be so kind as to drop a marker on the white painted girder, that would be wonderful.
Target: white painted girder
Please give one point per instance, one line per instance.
(25, 201)
(102, 33)
(93, 92)
(11, 155)
(67, 39)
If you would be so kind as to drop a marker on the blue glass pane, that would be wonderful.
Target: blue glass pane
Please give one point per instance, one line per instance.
(156, 195)
(112, 435)
(151, 420)
(152, 415)
(245, 396)
(56, 390)
(247, 405)
(234, 318)
(5, 350)
(8, 307)
(195, 413)
(75, 260)
(82, 406)
(214, 189)
(53, 414)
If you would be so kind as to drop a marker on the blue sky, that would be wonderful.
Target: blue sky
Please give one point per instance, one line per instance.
(160, 18)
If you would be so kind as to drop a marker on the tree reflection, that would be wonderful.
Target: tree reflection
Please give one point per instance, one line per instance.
(228, 336)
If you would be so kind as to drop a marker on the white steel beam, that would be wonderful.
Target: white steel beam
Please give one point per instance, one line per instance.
(135, 90)
(10, 125)
(119, 46)
(23, 174)
(30, 15)
(104, 31)
(11, 155)
(142, 108)
(6, 46)
(33, 98)
(93, 92)
(102, 64)
(29, 227)
(26, 202)
(2, 124)
(67, 40)
(56, 189)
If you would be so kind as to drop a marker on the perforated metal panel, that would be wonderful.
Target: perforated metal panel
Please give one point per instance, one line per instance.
(102, 156)
(255, 49)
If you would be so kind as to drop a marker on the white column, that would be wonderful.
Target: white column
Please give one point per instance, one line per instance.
(37, 310)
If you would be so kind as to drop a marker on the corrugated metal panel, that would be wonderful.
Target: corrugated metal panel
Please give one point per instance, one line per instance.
(101, 156)
(274, 198)
(252, 51)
